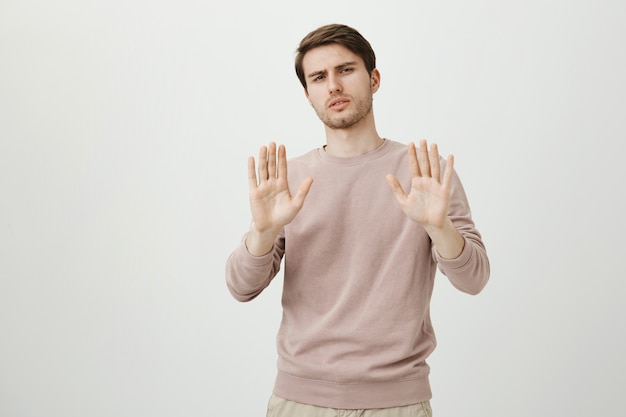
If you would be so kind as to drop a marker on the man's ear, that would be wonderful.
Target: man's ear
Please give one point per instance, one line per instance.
(375, 80)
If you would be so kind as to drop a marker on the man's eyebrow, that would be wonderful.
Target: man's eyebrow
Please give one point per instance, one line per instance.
(316, 73)
(340, 66)
(346, 64)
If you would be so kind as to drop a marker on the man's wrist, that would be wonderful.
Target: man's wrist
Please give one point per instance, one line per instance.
(447, 240)
(259, 243)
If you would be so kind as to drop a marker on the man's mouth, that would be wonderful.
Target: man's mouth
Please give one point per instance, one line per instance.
(338, 103)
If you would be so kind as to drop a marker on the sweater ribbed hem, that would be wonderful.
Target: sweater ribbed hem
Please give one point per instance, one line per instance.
(355, 395)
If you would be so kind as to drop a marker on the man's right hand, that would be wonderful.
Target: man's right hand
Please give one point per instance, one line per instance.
(271, 203)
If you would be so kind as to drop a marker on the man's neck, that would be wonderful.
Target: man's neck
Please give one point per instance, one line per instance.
(354, 141)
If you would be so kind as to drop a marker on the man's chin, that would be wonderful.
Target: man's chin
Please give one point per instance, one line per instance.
(339, 124)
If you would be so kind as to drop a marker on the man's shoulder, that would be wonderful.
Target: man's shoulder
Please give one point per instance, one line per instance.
(306, 155)
(306, 158)
(395, 145)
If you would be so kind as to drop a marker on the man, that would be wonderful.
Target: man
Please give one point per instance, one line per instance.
(363, 223)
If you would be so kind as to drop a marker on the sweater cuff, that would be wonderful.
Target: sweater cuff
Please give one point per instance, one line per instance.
(458, 262)
(255, 261)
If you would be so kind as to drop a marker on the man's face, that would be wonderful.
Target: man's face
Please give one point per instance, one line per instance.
(338, 85)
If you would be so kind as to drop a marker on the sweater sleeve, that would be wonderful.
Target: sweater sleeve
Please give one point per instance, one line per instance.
(247, 275)
(469, 272)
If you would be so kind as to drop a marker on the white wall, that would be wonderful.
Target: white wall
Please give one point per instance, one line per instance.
(124, 132)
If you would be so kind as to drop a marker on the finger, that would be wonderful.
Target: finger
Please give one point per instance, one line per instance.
(271, 161)
(395, 186)
(251, 173)
(302, 192)
(282, 162)
(413, 165)
(433, 157)
(448, 173)
(422, 159)
(262, 164)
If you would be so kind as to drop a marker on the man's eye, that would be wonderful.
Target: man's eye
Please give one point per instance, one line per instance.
(319, 77)
(346, 70)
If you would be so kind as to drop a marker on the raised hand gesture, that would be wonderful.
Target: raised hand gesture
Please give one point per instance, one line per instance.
(429, 197)
(271, 203)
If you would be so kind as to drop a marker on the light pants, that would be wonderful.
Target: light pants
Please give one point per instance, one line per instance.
(279, 407)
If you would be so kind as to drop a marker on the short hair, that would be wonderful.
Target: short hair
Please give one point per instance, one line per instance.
(335, 34)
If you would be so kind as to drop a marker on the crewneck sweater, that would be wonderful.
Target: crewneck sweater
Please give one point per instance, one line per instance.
(357, 283)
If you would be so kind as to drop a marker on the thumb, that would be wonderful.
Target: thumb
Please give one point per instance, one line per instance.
(303, 191)
(395, 186)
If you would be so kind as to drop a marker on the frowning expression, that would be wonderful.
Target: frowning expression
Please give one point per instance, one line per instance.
(338, 85)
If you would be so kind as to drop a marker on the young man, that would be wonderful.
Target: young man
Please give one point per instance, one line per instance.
(362, 223)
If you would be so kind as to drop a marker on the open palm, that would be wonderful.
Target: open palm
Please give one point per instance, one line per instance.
(428, 199)
(271, 203)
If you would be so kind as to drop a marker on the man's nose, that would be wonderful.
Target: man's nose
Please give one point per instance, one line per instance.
(334, 86)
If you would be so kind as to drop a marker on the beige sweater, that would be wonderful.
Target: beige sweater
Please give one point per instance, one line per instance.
(358, 278)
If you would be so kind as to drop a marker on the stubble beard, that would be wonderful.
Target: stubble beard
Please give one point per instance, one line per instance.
(341, 121)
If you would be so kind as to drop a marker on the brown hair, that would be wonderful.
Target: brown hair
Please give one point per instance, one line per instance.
(339, 34)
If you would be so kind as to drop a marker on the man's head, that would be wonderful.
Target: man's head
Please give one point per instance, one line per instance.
(335, 34)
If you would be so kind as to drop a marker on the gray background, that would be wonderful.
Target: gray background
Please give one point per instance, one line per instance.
(124, 132)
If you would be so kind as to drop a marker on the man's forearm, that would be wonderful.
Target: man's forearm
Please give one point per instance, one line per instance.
(447, 240)
(260, 243)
